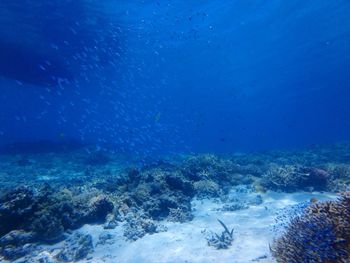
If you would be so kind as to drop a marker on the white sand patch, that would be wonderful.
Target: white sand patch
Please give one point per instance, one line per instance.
(186, 242)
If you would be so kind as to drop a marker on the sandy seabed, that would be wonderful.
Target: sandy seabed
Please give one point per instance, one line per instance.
(186, 242)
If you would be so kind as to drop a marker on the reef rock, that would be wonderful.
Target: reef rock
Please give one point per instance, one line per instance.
(16, 244)
(14, 206)
(48, 213)
(77, 247)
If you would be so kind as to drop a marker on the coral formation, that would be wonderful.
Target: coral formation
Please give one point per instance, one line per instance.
(234, 206)
(294, 177)
(14, 206)
(222, 241)
(180, 215)
(166, 191)
(137, 226)
(207, 189)
(46, 214)
(66, 190)
(320, 234)
(77, 247)
(16, 244)
(105, 238)
(99, 207)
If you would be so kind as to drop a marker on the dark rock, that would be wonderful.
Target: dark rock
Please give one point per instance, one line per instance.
(100, 206)
(133, 173)
(48, 227)
(176, 182)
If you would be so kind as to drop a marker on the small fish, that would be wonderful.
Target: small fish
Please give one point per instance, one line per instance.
(157, 117)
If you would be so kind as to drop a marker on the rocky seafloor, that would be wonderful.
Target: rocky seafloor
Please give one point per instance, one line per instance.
(86, 204)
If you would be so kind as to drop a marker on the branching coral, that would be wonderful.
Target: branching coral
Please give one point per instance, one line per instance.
(285, 177)
(320, 234)
(294, 177)
(207, 188)
(222, 241)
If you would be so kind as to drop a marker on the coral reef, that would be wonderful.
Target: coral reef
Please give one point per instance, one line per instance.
(76, 247)
(46, 214)
(157, 191)
(17, 244)
(240, 197)
(340, 176)
(222, 241)
(14, 206)
(180, 215)
(166, 191)
(294, 177)
(320, 234)
(64, 190)
(207, 189)
(111, 222)
(137, 226)
(14, 252)
(99, 207)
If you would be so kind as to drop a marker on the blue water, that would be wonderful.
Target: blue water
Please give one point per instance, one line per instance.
(176, 76)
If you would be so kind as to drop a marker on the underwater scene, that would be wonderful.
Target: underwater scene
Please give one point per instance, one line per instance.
(163, 131)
